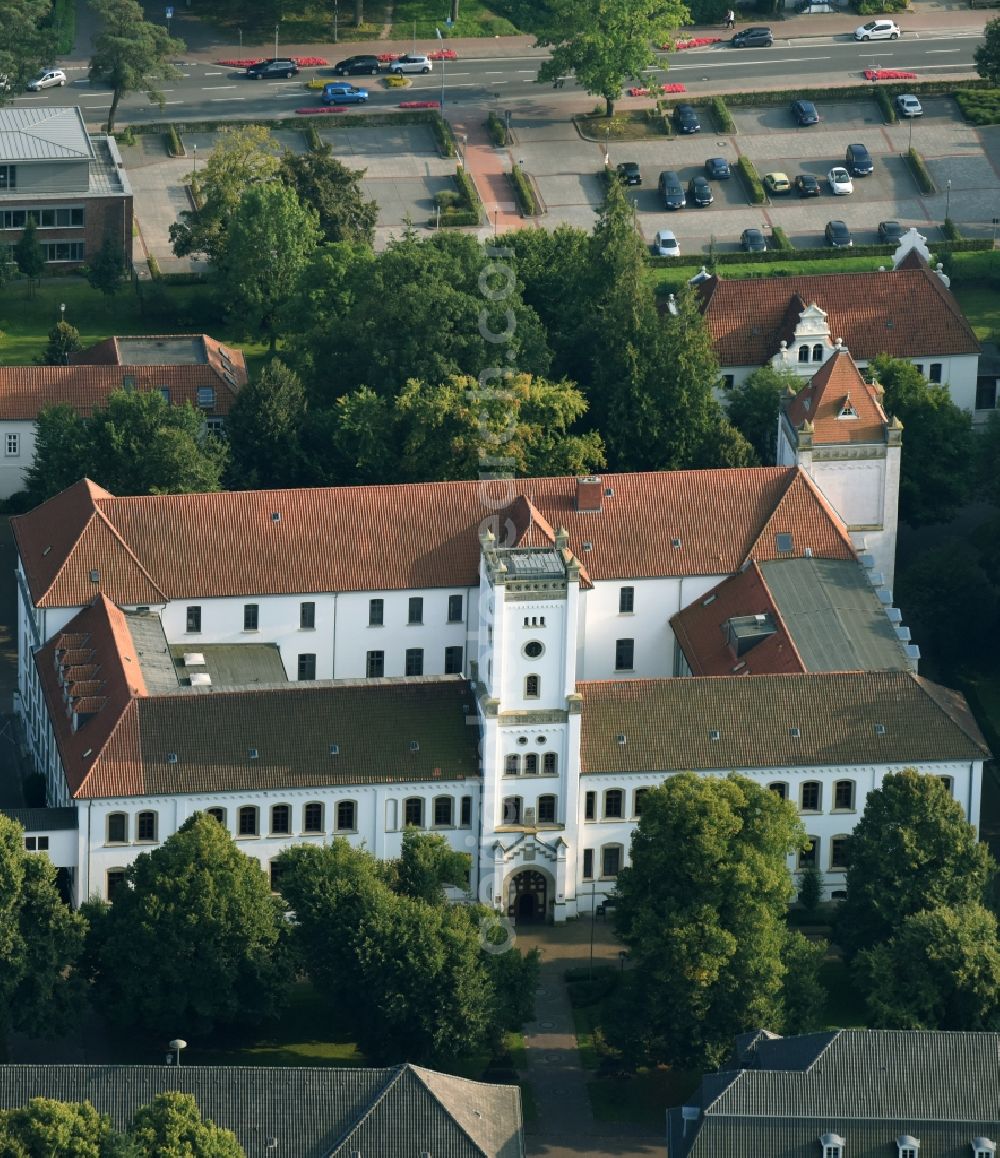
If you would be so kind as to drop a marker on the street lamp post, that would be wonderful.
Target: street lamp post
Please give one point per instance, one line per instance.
(947, 200)
(276, 27)
(194, 165)
(62, 305)
(996, 222)
(336, 20)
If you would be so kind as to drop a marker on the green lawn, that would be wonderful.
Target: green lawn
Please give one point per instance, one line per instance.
(981, 305)
(314, 25)
(643, 1098)
(474, 19)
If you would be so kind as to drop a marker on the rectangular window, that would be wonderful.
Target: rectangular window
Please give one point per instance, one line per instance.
(779, 789)
(248, 821)
(810, 796)
(376, 612)
(62, 251)
(414, 661)
(307, 616)
(549, 764)
(531, 764)
(375, 665)
(347, 816)
(251, 616)
(281, 820)
(512, 810)
(8, 177)
(312, 817)
(640, 795)
(624, 654)
(614, 804)
(193, 620)
(466, 820)
(626, 600)
(947, 782)
(218, 814)
(307, 666)
(12, 445)
(808, 857)
(512, 765)
(611, 860)
(116, 880)
(145, 827)
(415, 613)
(590, 806)
(838, 852)
(206, 397)
(532, 687)
(986, 393)
(546, 810)
(588, 864)
(453, 657)
(443, 811)
(455, 608)
(843, 794)
(935, 374)
(413, 812)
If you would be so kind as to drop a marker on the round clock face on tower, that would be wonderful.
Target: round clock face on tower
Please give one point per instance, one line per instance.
(533, 649)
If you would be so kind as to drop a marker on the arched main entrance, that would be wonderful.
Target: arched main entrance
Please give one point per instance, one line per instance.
(528, 897)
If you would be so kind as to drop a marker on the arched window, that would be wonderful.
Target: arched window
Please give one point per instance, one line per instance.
(532, 687)
(116, 880)
(531, 763)
(550, 764)
(117, 828)
(413, 812)
(843, 794)
(809, 856)
(512, 810)
(444, 812)
(312, 817)
(512, 765)
(614, 804)
(811, 799)
(803, 353)
(637, 799)
(281, 820)
(347, 815)
(780, 789)
(249, 824)
(838, 853)
(546, 810)
(276, 871)
(145, 827)
(818, 352)
(612, 856)
(218, 814)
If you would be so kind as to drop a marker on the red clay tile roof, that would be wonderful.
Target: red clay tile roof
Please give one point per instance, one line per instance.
(729, 723)
(835, 388)
(149, 549)
(905, 312)
(700, 630)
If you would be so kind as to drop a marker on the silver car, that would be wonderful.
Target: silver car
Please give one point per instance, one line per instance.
(411, 63)
(47, 78)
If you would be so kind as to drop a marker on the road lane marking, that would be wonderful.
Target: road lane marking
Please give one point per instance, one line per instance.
(942, 51)
(219, 87)
(736, 63)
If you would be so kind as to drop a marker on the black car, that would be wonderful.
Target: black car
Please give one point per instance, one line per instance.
(686, 119)
(671, 190)
(889, 232)
(717, 168)
(753, 38)
(838, 235)
(805, 113)
(628, 173)
(357, 65)
(806, 185)
(699, 191)
(753, 241)
(273, 66)
(859, 161)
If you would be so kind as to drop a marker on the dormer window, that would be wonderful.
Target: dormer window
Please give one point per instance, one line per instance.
(833, 1146)
(983, 1148)
(908, 1146)
(847, 409)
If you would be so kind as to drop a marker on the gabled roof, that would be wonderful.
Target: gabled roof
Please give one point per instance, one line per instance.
(382, 538)
(167, 350)
(136, 741)
(732, 723)
(841, 406)
(905, 312)
(401, 1111)
(43, 133)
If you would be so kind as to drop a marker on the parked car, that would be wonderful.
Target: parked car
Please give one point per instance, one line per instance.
(686, 119)
(805, 112)
(859, 161)
(840, 181)
(671, 190)
(273, 66)
(628, 173)
(665, 243)
(757, 37)
(889, 232)
(341, 93)
(806, 185)
(411, 63)
(47, 78)
(878, 30)
(907, 105)
(717, 168)
(777, 183)
(838, 235)
(699, 191)
(753, 241)
(354, 65)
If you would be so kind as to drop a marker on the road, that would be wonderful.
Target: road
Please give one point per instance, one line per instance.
(207, 91)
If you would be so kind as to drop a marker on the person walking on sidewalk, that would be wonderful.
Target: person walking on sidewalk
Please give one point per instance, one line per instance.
(730, 19)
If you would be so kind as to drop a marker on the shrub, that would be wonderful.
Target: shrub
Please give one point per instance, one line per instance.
(315, 85)
(887, 105)
(314, 142)
(447, 199)
(154, 266)
(395, 80)
(723, 118)
(921, 174)
(877, 7)
(443, 135)
(751, 180)
(466, 208)
(62, 21)
(497, 129)
(524, 193)
(779, 239)
(174, 145)
(951, 230)
(979, 107)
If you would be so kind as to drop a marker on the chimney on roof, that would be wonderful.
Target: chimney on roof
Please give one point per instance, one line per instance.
(590, 494)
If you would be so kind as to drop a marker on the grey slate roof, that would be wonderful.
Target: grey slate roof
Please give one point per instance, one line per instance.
(44, 819)
(870, 1086)
(396, 1112)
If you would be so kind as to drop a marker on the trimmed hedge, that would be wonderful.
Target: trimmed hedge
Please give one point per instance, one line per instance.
(967, 247)
(524, 193)
(314, 142)
(469, 210)
(724, 122)
(849, 92)
(497, 129)
(175, 146)
(921, 174)
(983, 266)
(752, 181)
(888, 106)
(442, 134)
(780, 239)
(951, 230)
(979, 107)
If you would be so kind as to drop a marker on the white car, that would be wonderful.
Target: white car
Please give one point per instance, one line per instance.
(878, 30)
(840, 181)
(665, 243)
(907, 105)
(47, 78)
(411, 63)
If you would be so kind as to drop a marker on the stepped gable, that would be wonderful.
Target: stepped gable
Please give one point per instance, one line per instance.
(840, 404)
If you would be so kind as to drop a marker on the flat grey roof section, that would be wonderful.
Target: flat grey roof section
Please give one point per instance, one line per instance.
(44, 819)
(43, 133)
(529, 562)
(833, 615)
(230, 665)
(107, 171)
(185, 350)
(154, 654)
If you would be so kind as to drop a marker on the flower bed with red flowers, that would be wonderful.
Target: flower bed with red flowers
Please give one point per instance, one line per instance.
(694, 42)
(301, 61)
(888, 74)
(419, 104)
(640, 92)
(443, 54)
(315, 110)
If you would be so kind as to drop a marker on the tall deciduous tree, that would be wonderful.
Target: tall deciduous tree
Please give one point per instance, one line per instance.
(25, 41)
(754, 405)
(606, 42)
(44, 1126)
(29, 257)
(171, 1126)
(427, 864)
(987, 54)
(334, 192)
(264, 429)
(40, 941)
(64, 339)
(62, 453)
(106, 272)
(911, 850)
(130, 52)
(938, 448)
(702, 909)
(195, 940)
(939, 970)
(269, 243)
